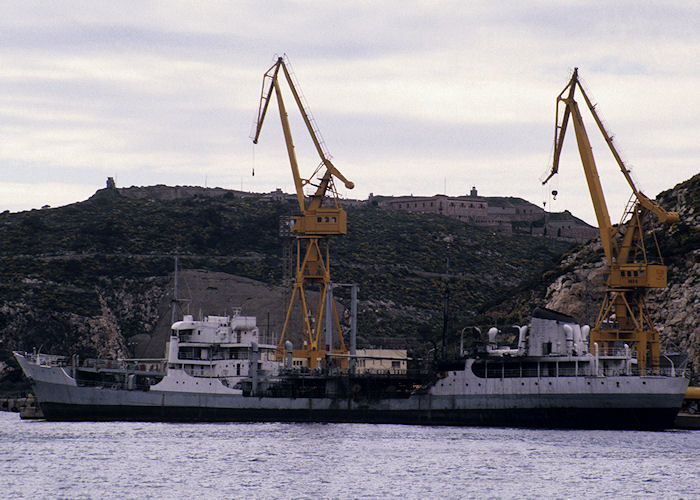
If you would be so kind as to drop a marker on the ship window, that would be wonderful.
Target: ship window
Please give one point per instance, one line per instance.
(548, 370)
(529, 369)
(319, 219)
(326, 219)
(567, 369)
(546, 348)
(493, 369)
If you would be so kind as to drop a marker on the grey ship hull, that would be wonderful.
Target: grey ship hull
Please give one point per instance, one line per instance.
(582, 402)
(654, 418)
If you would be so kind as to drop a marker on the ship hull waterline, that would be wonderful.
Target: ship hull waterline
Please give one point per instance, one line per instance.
(596, 411)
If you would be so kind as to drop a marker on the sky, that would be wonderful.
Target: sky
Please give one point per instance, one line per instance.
(410, 97)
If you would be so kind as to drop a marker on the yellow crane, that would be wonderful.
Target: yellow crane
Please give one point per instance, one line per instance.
(623, 317)
(313, 227)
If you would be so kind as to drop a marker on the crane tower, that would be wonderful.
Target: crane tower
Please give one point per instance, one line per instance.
(320, 217)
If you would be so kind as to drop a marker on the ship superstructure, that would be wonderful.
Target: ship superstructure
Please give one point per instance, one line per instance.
(217, 351)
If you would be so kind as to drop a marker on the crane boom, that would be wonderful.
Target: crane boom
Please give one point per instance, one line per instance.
(623, 316)
(317, 198)
(588, 161)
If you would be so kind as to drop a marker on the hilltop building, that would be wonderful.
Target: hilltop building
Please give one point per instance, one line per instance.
(499, 214)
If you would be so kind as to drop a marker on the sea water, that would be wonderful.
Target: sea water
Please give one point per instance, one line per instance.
(40, 459)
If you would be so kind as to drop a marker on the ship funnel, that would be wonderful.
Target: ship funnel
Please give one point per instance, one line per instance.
(569, 338)
(290, 355)
(522, 339)
(577, 340)
(585, 330)
(492, 335)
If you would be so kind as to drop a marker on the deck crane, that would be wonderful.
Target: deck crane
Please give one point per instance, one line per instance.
(313, 228)
(623, 317)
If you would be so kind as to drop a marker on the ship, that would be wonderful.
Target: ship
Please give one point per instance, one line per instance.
(221, 369)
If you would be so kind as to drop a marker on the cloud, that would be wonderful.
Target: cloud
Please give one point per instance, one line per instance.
(407, 95)
(15, 194)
